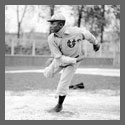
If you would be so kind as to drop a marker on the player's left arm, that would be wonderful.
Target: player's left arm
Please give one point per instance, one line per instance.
(91, 38)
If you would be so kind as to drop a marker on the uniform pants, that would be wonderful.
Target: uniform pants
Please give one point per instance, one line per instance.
(65, 78)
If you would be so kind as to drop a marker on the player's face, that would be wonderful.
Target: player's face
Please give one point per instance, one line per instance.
(55, 26)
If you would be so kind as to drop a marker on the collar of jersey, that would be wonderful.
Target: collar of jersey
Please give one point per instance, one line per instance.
(62, 32)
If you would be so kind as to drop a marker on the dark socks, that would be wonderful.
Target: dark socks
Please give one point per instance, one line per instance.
(59, 106)
(61, 99)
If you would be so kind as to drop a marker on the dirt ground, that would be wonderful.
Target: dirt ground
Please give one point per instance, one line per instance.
(79, 105)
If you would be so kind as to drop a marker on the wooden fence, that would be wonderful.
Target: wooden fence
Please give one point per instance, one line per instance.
(20, 47)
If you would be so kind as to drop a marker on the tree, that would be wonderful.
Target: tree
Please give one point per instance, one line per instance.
(92, 16)
(116, 11)
(52, 8)
(114, 16)
(95, 17)
(46, 11)
(20, 19)
(78, 14)
(102, 22)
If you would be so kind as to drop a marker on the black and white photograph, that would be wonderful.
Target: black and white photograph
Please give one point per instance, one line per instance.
(62, 62)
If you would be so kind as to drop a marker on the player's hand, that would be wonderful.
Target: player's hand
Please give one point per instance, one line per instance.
(96, 47)
(80, 58)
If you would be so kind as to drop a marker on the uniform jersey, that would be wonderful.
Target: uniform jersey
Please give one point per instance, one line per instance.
(67, 44)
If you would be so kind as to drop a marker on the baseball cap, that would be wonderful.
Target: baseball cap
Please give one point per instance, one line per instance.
(57, 17)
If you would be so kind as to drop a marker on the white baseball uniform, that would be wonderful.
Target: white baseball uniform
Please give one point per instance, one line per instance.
(66, 46)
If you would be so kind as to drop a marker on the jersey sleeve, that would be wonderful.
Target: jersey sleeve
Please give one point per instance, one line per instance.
(89, 36)
(53, 47)
(56, 53)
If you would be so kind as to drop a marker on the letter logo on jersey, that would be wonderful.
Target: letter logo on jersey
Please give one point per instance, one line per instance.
(71, 43)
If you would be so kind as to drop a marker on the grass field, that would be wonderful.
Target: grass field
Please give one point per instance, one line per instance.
(29, 96)
(36, 81)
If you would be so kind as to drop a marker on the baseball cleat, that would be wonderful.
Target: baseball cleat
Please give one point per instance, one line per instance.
(58, 108)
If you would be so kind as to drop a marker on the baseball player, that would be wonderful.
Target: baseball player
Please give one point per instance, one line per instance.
(66, 45)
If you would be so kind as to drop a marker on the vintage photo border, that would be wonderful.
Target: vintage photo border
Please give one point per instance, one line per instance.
(2, 59)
